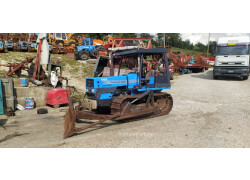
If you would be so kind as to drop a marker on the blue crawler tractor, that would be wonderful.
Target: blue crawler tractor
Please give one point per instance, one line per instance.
(130, 91)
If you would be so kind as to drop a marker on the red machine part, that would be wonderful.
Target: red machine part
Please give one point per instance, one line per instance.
(182, 60)
(57, 96)
(17, 67)
(121, 42)
(175, 60)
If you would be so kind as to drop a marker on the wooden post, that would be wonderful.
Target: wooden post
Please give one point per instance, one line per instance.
(208, 44)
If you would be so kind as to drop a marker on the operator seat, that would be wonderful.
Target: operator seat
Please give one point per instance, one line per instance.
(149, 74)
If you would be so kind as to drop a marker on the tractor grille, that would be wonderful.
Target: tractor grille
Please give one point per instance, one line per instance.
(90, 82)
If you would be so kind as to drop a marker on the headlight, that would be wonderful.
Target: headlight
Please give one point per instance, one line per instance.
(245, 69)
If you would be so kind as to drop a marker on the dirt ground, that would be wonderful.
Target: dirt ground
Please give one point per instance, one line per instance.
(206, 113)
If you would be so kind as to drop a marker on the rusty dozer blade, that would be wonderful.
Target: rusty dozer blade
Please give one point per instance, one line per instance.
(69, 120)
(72, 114)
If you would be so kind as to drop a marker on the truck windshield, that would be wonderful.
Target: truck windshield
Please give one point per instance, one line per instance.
(58, 35)
(64, 36)
(232, 50)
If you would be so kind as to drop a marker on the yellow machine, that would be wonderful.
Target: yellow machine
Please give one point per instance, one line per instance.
(62, 42)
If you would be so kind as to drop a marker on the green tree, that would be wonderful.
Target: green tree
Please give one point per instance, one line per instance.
(200, 47)
(186, 44)
(147, 35)
(212, 47)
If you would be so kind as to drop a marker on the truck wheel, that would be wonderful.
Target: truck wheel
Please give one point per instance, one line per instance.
(60, 42)
(245, 77)
(76, 56)
(215, 77)
(72, 44)
(5, 50)
(83, 55)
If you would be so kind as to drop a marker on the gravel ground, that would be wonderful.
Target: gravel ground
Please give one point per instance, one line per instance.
(206, 113)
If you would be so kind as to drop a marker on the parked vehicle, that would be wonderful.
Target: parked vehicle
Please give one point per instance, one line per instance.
(21, 46)
(91, 48)
(3, 47)
(232, 57)
(32, 47)
(9, 45)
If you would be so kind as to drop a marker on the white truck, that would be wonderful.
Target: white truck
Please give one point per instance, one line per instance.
(232, 57)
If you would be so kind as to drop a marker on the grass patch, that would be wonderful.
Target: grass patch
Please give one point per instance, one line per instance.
(2, 73)
(176, 74)
(73, 66)
(12, 57)
(185, 51)
(69, 64)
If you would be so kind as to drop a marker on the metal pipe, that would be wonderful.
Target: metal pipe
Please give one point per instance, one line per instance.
(142, 95)
(120, 66)
(166, 62)
(141, 59)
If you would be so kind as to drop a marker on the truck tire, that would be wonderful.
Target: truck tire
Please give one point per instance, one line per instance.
(76, 56)
(58, 42)
(215, 77)
(5, 50)
(71, 43)
(245, 77)
(83, 55)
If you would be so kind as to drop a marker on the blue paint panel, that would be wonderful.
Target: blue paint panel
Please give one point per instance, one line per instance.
(133, 80)
(151, 80)
(129, 81)
(1, 44)
(112, 81)
(87, 45)
(106, 96)
(154, 89)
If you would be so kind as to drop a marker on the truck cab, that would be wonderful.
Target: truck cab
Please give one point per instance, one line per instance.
(3, 47)
(232, 57)
(32, 47)
(22, 46)
(9, 45)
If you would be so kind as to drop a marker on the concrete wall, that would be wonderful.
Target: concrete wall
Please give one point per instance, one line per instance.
(38, 93)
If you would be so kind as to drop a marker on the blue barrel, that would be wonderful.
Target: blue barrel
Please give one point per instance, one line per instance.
(29, 103)
(23, 81)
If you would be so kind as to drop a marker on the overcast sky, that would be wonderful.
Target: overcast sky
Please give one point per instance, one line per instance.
(203, 37)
